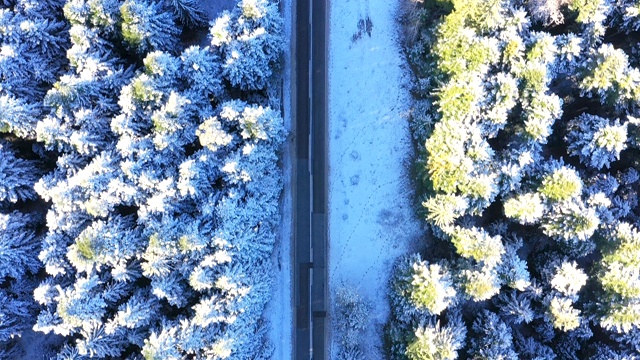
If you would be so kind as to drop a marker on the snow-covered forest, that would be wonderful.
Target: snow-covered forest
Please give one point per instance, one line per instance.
(527, 127)
(139, 177)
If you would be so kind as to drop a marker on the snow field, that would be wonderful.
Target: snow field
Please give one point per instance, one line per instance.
(371, 219)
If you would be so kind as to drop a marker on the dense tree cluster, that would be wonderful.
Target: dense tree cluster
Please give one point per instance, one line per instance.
(526, 124)
(156, 169)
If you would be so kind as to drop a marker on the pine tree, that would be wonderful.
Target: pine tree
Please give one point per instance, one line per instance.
(515, 307)
(189, 12)
(596, 141)
(435, 342)
(562, 314)
(525, 209)
(492, 340)
(620, 280)
(427, 287)
(610, 77)
(477, 244)
(17, 176)
(561, 184)
(147, 26)
(249, 42)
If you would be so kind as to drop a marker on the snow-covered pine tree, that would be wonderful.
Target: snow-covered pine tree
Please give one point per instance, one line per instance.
(249, 41)
(149, 25)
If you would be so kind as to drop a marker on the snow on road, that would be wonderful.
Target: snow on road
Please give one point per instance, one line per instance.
(371, 218)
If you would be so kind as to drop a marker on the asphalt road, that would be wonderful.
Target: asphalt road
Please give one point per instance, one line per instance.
(310, 192)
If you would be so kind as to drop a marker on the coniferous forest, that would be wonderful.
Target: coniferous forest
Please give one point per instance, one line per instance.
(139, 177)
(527, 130)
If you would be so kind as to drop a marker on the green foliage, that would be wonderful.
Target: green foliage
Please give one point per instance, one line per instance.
(431, 288)
(563, 315)
(525, 208)
(609, 75)
(561, 184)
(571, 221)
(447, 163)
(596, 141)
(463, 51)
(426, 286)
(476, 244)
(621, 317)
(444, 209)
(434, 342)
(589, 11)
(481, 284)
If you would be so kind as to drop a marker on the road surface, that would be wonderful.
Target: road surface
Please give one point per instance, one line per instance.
(310, 190)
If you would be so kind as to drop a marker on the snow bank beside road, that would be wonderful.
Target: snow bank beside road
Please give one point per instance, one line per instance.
(371, 220)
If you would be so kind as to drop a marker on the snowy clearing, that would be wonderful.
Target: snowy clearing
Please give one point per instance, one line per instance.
(371, 219)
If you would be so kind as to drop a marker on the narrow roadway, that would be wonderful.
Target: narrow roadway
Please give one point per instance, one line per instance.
(310, 191)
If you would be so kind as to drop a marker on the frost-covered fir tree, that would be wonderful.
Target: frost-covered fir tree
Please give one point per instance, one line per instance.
(596, 141)
(19, 246)
(491, 338)
(435, 342)
(149, 25)
(249, 42)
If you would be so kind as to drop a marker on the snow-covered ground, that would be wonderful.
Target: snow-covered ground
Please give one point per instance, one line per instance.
(371, 219)
(279, 310)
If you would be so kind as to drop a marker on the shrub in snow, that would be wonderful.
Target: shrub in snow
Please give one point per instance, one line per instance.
(351, 319)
